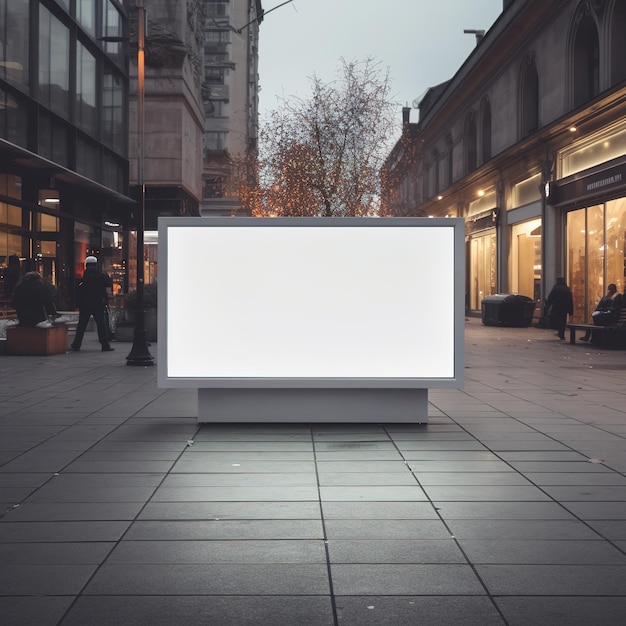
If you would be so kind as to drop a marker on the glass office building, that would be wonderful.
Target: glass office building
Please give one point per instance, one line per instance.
(63, 141)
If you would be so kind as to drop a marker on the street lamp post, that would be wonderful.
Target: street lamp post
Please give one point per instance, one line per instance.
(139, 353)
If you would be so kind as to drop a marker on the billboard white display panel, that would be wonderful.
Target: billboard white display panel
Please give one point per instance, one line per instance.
(310, 302)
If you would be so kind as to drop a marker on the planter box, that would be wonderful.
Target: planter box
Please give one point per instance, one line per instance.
(24, 341)
(126, 332)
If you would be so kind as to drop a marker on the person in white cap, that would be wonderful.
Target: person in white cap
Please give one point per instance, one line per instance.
(92, 302)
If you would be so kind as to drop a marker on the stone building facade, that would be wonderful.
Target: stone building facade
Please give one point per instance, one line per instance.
(173, 115)
(527, 142)
(230, 100)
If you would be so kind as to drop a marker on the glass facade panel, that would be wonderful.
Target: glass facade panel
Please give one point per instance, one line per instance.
(54, 62)
(87, 159)
(112, 27)
(86, 113)
(14, 22)
(113, 111)
(13, 119)
(53, 140)
(86, 15)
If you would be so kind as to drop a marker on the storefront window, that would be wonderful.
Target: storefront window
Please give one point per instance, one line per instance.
(586, 259)
(482, 269)
(616, 243)
(526, 259)
(13, 243)
(114, 264)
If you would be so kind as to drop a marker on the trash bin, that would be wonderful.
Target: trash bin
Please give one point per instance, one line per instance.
(507, 309)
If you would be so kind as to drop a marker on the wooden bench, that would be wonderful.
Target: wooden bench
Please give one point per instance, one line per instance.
(35, 341)
(611, 336)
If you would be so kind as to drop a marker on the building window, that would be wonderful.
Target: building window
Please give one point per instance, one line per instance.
(86, 15)
(14, 41)
(216, 108)
(113, 111)
(471, 154)
(13, 119)
(88, 159)
(213, 187)
(526, 191)
(215, 141)
(215, 75)
(112, 27)
(214, 37)
(54, 62)
(86, 113)
(608, 144)
(530, 98)
(53, 140)
(216, 9)
(586, 62)
(485, 124)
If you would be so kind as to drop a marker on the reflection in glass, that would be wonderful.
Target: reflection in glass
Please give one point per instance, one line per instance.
(85, 89)
(54, 62)
(113, 111)
(13, 42)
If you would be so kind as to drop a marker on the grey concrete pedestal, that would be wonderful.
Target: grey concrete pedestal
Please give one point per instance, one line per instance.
(313, 405)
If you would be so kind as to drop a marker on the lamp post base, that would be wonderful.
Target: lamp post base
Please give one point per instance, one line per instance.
(139, 353)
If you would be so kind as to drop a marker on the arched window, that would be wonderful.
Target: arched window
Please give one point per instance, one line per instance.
(529, 97)
(485, 128)
(618, 44)
(586, 57)
(471, 155)
(449, 160)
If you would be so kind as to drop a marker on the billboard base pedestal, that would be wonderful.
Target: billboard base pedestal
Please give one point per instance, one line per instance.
(313, 405)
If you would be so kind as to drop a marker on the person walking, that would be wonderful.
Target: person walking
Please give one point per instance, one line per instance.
(560, 304)
(92, 302)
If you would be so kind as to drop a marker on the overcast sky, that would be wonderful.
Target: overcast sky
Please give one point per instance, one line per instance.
(420, 41)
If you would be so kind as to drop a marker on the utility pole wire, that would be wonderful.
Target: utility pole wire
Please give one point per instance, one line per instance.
(263, 14)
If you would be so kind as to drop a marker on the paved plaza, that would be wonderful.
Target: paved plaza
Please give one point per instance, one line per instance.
(508, 507)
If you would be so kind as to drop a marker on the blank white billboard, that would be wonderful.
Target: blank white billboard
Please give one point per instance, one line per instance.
(353, 300)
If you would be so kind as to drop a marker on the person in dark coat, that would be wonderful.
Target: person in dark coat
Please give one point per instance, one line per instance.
(560, 304)
(33, 300)
(607, 311)
(92, 302)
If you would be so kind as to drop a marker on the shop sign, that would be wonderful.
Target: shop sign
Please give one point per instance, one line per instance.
(580, 187)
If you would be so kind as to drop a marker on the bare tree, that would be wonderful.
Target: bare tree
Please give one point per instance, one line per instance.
(322, 156)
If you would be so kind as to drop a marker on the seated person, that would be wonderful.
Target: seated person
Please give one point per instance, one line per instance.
(607, 311)
(33, 300)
